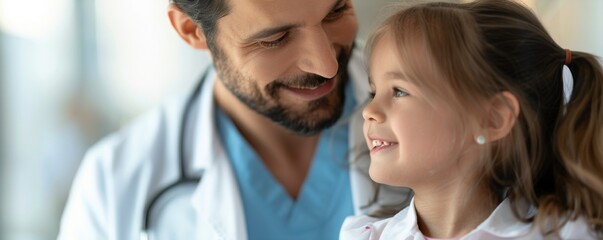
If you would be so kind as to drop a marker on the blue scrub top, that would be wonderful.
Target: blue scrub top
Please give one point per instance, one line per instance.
(325, 198)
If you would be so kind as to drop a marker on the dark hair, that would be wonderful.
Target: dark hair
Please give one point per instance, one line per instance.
(206, 14)
(553, 156)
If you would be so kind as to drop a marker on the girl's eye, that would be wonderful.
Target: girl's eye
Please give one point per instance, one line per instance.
(371, 94)
(275, 43)
(400, 93)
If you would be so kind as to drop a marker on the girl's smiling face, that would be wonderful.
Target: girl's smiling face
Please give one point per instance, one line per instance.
(413, 138)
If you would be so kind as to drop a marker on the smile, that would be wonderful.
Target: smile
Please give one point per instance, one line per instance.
(308, 87)
(309, 93)
(377, 145)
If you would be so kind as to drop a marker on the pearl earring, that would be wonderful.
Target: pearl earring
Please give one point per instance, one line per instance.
(480, 139)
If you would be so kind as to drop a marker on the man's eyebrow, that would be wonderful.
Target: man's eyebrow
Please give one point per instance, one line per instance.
(264, 33)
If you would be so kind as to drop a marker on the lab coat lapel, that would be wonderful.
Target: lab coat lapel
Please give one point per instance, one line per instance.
(216, 200)
(218, 204)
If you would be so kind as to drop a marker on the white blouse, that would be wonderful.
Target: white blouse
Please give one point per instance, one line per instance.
(501, 224)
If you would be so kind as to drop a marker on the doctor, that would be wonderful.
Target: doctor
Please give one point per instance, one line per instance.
(272, 134)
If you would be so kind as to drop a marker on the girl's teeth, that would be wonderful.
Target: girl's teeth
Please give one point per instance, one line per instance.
(376, 143)
(379, 143)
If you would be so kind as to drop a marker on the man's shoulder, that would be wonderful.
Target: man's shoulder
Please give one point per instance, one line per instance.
(144, 140)
(121, 171)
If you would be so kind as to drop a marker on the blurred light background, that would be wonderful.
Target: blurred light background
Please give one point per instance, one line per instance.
(72, 71)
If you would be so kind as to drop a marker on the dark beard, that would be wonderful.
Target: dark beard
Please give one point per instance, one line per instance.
(309, 122)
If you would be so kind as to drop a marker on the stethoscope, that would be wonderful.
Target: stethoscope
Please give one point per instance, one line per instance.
(185, 184)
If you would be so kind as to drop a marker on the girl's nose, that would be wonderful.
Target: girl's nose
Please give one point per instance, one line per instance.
(373, 113)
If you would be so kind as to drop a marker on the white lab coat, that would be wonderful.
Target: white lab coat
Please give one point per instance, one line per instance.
(121, 173)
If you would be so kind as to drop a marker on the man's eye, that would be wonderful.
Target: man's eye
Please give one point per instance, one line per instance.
(275, 43)
(337, 12)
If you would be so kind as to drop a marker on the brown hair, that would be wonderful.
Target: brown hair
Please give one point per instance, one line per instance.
(553, 156)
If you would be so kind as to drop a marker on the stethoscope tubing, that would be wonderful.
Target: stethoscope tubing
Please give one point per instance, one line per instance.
(183, 178)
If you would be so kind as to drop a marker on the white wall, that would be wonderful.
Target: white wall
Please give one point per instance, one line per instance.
(38, 69)
(141, 58)
(574, 24)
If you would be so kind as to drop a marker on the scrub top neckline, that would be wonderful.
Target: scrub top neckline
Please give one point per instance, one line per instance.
(320, 185)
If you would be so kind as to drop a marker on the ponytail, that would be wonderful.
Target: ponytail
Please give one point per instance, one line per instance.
(578, 142)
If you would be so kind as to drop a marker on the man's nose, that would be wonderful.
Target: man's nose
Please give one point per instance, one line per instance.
(318, 54)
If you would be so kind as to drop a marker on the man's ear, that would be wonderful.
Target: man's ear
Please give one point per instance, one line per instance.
(186, 27)
(504, 109)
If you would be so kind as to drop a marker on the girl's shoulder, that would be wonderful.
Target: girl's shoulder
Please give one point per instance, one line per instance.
(362, 228)
(503, 224)
(578, 229)
(370, 228)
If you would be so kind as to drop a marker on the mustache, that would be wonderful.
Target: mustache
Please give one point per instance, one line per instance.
(308, 80)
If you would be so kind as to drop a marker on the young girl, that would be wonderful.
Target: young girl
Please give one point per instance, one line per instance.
(471, 110)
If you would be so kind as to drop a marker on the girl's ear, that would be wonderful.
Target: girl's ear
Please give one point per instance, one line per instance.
(502, 114)
(186, 27)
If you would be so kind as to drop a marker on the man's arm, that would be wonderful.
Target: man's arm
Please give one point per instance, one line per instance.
(85, 214)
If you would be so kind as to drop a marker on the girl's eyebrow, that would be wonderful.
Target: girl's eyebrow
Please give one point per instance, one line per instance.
(395, 75)
(391, 75)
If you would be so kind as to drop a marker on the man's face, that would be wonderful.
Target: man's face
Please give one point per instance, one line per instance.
(287, 59)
